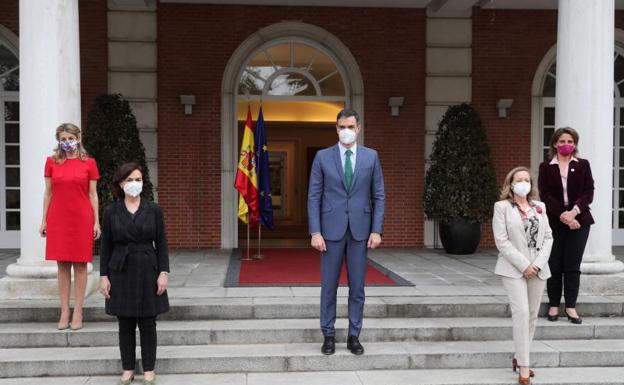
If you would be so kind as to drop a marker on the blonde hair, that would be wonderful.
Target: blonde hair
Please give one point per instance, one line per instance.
(506, 191)
(60, 155)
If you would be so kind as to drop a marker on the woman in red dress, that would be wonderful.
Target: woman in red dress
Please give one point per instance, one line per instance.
(70, 217)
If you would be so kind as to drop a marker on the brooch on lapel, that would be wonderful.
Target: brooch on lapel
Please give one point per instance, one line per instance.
(538, 209)
(571, 170)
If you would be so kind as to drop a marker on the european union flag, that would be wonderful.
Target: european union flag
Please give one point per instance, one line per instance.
(265, 206)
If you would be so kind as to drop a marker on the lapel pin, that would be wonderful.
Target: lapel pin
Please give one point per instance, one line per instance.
(572, 170)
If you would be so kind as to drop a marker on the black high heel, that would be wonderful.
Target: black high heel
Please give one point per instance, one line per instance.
(552, 318)
(574, 320)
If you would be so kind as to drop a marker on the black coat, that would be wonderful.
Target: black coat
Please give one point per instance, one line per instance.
(580, 190)
(134, 251)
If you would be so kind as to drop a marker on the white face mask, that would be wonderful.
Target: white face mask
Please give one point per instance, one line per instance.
(521, 188)
(347, 136)
(133, 188)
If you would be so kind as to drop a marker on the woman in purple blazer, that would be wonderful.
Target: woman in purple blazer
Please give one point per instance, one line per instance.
(566, 187)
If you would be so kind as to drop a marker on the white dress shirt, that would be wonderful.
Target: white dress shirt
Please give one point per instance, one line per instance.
(343, 154)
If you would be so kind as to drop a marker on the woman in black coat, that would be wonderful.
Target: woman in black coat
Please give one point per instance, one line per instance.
(134, 263)
(566, 186)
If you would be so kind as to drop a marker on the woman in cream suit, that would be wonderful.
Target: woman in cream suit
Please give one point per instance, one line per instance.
(524, 239)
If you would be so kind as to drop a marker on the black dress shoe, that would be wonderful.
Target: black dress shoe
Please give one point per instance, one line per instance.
(329, 346)
(354, 345)
(553, 318)
(574, 320)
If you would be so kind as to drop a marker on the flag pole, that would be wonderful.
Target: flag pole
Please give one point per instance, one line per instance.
(259, 256)
(247, 258)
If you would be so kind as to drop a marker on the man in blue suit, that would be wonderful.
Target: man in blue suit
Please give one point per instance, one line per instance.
(346, 209)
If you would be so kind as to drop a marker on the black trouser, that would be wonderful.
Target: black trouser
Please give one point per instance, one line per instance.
(127, 341)
(565, 263)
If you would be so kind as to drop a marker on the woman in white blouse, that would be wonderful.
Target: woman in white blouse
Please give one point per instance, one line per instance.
(524, 239)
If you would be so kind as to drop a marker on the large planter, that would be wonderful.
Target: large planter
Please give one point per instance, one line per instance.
(459, 236)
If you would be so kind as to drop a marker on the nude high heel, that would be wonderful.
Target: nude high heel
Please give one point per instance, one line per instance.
(514, 365)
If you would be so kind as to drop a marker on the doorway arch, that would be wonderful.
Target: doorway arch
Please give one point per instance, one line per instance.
(261, 39)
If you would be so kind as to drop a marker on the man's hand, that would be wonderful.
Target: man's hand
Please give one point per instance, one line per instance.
(318, 242)
(374, 240)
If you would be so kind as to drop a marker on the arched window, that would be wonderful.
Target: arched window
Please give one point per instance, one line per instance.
(9, 146)
(546, 102)
(292, 69)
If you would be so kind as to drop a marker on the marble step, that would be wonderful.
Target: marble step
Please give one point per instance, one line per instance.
(308, 307)
(258, 331)
(304, 357)
(545, 376)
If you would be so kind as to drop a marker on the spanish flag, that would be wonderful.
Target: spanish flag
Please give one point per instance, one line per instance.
(246, 181)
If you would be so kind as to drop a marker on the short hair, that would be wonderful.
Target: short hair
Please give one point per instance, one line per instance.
(552, 150)
(507, 193)
(121, 174)
(347, 113)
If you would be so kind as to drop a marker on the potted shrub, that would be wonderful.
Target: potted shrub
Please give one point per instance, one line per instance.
(112, 138)
(460, 184)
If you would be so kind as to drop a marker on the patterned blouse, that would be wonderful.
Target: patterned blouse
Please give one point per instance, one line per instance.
(531, 225)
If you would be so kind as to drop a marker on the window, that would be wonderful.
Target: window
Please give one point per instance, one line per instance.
(9, 146)
(292, 69)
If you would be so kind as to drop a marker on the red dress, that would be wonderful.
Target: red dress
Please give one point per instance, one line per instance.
(69, 223)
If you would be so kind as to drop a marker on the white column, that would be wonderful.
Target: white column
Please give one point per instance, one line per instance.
(49, 56)
(585, 46)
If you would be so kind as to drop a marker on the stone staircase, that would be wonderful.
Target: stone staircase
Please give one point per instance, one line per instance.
(272, 340)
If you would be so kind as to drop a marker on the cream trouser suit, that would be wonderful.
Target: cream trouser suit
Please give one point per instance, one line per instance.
(514, 257)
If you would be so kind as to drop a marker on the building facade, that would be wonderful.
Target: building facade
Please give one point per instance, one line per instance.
(302, 61)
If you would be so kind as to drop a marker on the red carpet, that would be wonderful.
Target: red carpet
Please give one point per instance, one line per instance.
(292, 267)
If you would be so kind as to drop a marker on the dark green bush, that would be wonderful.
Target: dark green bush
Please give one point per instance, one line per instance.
(112, 138)
(460, 182)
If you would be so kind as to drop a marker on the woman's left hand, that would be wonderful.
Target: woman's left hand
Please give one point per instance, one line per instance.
(96, 231)
(162, 282)
(574, 225)
(567, 216)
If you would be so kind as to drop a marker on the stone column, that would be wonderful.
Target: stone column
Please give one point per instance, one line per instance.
(49, 55)
(585, 46)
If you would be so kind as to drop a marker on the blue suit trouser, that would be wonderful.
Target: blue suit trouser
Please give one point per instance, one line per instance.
(331, 265)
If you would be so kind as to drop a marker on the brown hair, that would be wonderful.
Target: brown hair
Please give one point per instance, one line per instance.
(60, 155)
(121, 174)
(507, 193)
(552, 150)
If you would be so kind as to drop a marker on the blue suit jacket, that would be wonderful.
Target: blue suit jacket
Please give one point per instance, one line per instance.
(332, 209)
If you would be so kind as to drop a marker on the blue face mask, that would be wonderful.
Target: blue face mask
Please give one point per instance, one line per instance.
(69, 145)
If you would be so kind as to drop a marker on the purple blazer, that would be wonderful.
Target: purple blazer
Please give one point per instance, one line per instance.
(580, 190)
